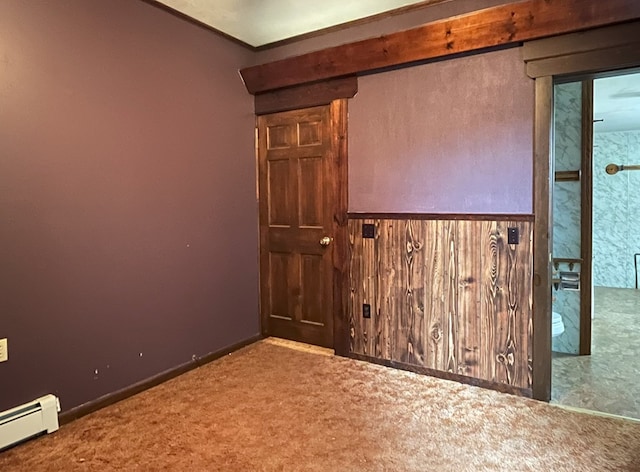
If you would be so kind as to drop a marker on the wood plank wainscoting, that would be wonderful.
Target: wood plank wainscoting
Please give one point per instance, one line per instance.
(448, 296)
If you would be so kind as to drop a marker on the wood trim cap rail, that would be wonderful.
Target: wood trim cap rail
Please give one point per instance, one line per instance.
(441, 216)
(496, 26)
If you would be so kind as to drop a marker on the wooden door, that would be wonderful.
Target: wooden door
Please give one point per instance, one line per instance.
(300, 179)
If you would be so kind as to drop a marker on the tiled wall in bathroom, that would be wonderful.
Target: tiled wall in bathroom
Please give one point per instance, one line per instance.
(616, 209)
(566, 207)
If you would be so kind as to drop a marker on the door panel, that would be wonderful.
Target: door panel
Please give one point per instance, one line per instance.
(279, 268)
(296, 165)
(278, 137)
(278, 191)
(314, 294)
(310, 133)
(310, 194)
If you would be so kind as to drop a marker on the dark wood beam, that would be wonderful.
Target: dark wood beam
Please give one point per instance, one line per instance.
(501, 25)
(601, 49)
(306, 95)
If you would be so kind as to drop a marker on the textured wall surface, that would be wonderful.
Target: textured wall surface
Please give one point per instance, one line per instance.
(446, 137)
(128, 234)
(567, 207)
(616, 209)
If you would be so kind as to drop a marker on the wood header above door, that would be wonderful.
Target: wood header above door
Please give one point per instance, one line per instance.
(498, 26)
(306, 95)
(601, 49)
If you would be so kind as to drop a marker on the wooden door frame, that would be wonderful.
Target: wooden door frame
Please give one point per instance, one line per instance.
(339, 147)
(586, 217)
(335, 94)
(579, 55)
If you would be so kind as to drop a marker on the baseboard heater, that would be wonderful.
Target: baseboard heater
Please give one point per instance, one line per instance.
(28, 420)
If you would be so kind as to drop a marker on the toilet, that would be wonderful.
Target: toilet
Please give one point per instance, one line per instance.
(557, 326)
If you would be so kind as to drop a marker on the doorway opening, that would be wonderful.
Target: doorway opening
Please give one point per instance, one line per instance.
(601, 376)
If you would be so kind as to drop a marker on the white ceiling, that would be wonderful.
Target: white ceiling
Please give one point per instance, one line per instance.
(260, 22)
(616, 100)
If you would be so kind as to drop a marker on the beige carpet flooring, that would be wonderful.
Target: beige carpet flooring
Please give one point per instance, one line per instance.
(274, 407)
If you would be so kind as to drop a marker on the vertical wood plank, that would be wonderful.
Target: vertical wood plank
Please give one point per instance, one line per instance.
(520, 292)
(386, 296)
(415, 234)
(489, 299)
(377, 315)
(356, 287)
(469, 276)
(370, 285)
(387, 284)
(433, 296)
(529, 232)
(506, 350)
(450, 315)
(404, 262)
(514, 348)
(397, 246)
(392, 274)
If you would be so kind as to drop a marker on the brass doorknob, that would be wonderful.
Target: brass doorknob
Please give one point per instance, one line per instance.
(325, 241)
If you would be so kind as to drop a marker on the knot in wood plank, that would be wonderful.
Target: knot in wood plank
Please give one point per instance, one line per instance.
(436, 333)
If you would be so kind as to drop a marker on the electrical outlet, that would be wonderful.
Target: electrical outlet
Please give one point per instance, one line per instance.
(368, 230)
(4, 353)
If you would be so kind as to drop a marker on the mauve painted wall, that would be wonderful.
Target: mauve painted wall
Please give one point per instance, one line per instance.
(453, 136)
(128, 223)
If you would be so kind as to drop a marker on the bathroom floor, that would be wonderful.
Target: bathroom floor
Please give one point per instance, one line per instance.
(609, 379)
